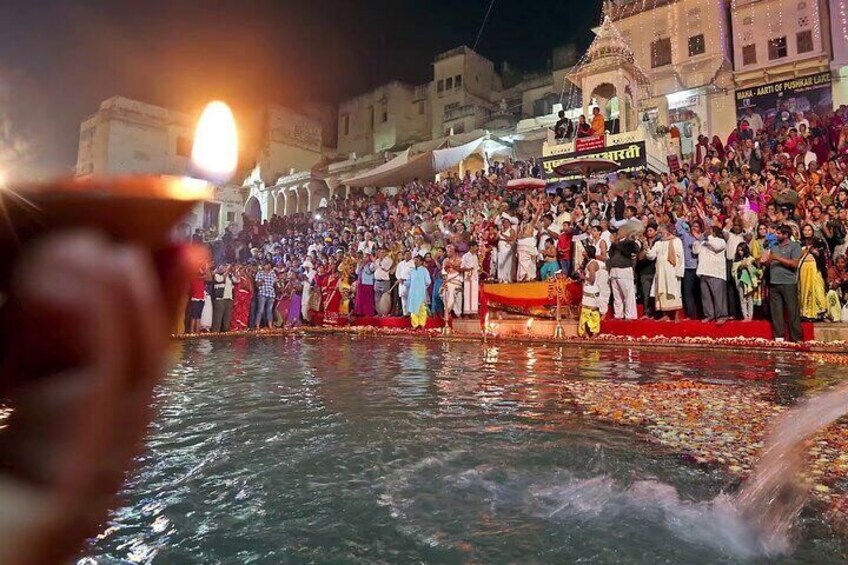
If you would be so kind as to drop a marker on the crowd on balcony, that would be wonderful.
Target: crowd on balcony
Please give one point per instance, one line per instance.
(753, 227)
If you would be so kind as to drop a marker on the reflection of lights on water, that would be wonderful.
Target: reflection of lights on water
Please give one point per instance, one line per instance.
(529, 324)
(491, 355)
(531, 357)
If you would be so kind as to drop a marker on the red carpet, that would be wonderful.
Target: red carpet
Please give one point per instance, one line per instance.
(693, 328)
(391, 322)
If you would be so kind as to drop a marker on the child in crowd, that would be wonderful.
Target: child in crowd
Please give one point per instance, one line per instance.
(748, 278)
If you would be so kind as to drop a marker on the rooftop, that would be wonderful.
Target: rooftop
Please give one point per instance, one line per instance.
(620, 9)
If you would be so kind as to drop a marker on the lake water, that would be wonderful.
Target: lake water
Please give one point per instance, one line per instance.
(343, 449)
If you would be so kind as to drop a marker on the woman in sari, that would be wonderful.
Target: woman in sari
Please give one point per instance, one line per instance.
(837, 284)
(810, 279)
(364, 305)
(281, 308)
(331, 295)
(294, 288)
(434, 266)
(243, 299)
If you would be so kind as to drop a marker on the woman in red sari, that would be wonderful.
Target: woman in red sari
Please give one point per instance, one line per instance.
(243, 299)
(331, 296)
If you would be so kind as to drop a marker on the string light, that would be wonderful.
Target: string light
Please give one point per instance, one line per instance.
(843, 19)
(817, 26)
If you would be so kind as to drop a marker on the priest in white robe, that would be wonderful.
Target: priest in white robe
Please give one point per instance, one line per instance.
(668, 288)
(470, 268)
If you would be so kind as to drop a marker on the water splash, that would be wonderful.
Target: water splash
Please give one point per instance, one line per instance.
(771, 500)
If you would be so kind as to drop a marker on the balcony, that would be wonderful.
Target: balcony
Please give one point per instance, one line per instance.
(465, 111)
(421, 92)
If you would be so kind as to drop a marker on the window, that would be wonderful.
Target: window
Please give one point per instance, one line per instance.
(661, 52)
(457, 81)
(696, 45)
(385, 113)
(183, 147)
(749, 55)
(231, 217)
(371, 116)
(777, 48)
(345, 119)
(421, 108)
(805, 41)
(449, 83)
(441, 86)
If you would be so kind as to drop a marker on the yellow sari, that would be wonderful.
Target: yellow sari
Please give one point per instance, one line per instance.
(345, 291)
(419, 319)
(811, 288)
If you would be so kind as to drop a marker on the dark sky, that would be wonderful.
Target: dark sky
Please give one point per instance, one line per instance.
(59, 59)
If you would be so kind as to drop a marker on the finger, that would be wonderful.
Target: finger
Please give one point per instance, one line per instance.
(175, 266)
(62, 414)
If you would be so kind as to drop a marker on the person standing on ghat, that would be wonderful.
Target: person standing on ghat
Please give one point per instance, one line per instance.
(711, 271)
(222, 305)
(402, 274)
(266, 281)
(783, 260)
(419, 280)
(622, 255)
(470, 269)
(382, 278)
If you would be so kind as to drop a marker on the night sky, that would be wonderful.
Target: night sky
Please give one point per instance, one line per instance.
(59, 59)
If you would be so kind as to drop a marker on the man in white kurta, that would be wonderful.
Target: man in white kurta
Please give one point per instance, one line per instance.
(470, 268)
(402, 273)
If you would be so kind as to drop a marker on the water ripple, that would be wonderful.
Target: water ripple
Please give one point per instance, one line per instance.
(340, 449)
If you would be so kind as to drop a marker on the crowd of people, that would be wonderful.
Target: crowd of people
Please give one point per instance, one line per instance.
(754, 226)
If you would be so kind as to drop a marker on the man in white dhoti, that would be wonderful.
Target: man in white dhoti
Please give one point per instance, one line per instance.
(527, 250)
(470, 268)
(667, 288)
(451, 290)
(402, 272)
(308, 279)
(506, 252)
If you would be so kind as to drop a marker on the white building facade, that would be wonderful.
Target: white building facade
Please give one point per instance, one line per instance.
(684, 48)
(127, 137)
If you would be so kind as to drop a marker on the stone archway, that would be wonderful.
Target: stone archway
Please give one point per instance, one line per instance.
(302, 199)
(291, 201)
(319, 195)
(280, 204)
(253, 209)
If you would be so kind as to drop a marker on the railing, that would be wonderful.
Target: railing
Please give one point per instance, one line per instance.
(421, 92)
(464, 111)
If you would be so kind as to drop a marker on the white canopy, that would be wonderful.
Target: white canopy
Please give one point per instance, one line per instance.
(405, 168)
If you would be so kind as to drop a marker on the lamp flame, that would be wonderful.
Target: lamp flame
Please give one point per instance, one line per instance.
(215, 151)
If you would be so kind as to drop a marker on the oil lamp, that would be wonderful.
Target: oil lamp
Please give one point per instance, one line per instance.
(141, 209)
